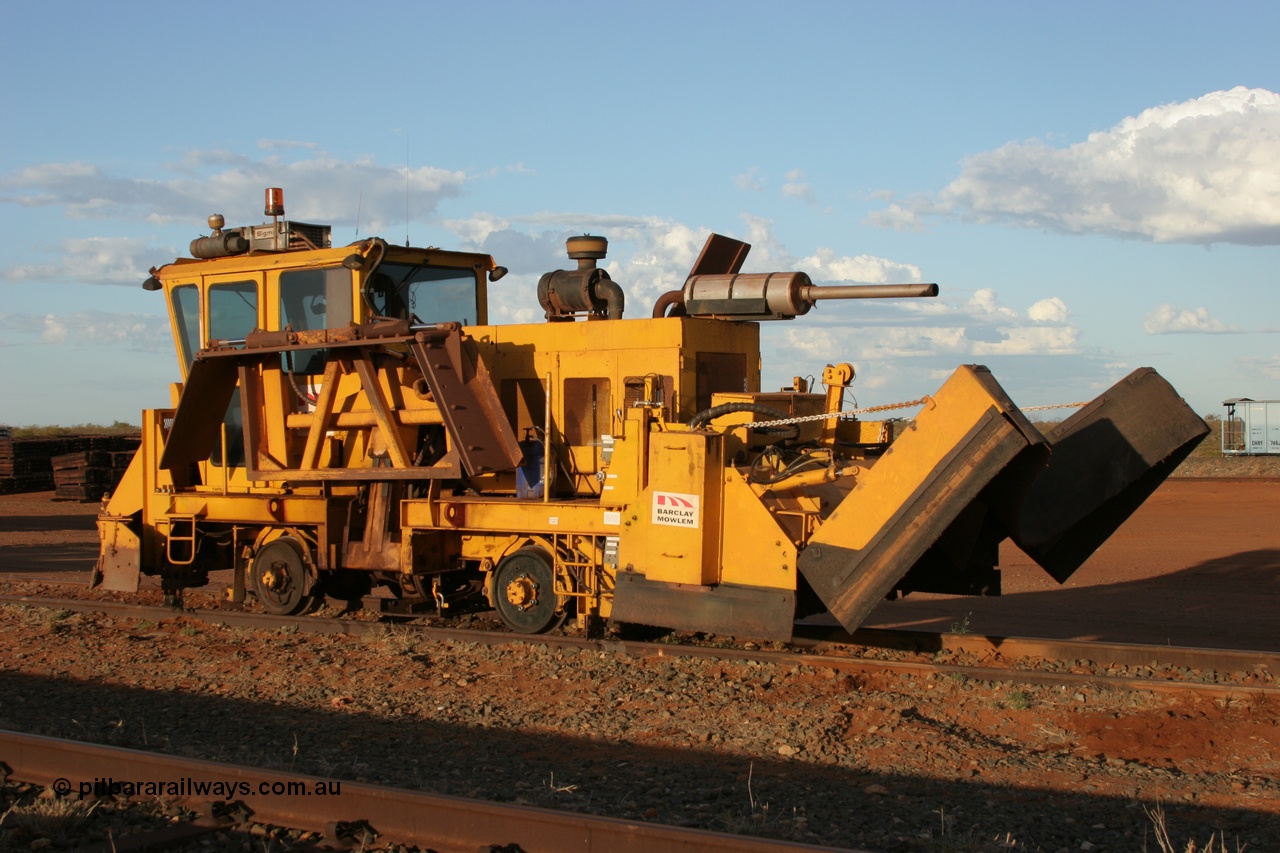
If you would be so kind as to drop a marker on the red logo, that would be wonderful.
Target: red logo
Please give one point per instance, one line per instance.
(672, 500)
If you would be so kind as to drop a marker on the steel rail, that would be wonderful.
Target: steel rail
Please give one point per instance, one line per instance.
(1099, 652)
(821, 654)
(396, 815)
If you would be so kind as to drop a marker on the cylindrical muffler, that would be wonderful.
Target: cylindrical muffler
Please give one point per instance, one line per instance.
(219, 245)
(760, 296)
(779, 295)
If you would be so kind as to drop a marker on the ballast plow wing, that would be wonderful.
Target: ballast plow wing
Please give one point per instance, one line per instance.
(1106, 460)
(972, 470)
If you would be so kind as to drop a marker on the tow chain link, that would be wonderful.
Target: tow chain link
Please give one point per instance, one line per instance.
(1055, 406)
(846, 415)
(853, 413)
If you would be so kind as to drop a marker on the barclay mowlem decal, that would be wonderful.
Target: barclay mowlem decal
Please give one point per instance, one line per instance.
(675, 508)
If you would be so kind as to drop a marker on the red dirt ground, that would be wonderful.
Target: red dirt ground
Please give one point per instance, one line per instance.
(1199, 564)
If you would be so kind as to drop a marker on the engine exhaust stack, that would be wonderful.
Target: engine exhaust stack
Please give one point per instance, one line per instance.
(715, 288)
(779, 295)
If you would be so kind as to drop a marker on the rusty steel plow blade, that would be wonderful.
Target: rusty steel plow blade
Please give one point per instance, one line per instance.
(968, 450)
(1106, 460)
(972, 471)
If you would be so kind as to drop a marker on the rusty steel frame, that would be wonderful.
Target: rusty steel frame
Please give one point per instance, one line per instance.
(396, 815)
(481, 439)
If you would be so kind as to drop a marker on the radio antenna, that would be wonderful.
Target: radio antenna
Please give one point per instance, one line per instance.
(359, 211)
(406, 189)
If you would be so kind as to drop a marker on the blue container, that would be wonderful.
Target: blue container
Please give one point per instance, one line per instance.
(529, 475)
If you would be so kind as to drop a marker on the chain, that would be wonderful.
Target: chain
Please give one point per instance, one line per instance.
(847, 415)
(853, 413)
(1055, 406)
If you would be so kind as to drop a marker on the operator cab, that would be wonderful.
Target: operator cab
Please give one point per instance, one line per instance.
(286, 275)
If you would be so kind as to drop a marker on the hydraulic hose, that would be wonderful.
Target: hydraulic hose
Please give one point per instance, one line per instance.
(706, 416)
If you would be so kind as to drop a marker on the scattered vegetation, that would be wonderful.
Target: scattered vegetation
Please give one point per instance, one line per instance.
(1212, 444)
(45, 617)
(393, 640)
(1216, 844)
(115, 428)
(60, 822)
(1019, 700)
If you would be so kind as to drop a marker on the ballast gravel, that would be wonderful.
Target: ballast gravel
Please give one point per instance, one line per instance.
(883, 763)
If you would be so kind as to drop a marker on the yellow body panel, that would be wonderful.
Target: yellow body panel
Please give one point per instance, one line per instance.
(471, 514)
(867, 432)
(755, 549)
(626, 473)
(674, 532)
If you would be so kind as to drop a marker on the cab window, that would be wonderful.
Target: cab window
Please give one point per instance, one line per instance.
(233, 313)
(423, 294)
(233, 310)
(314, 299)
(185, 304)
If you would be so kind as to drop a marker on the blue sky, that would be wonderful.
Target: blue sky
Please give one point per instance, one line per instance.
(1094, 187)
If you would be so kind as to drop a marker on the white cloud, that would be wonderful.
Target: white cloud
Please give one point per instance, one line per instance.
(94, 260)
(1169, 319)
(55, 330)
(818, 344)
(983, 303)
(1051, 310)
(824, 265)
(912, 342)
(955, 328)
(1205, 170)
(476, 229)
(1030, 340)
(285, 145)
(750, 180)
(317, 188)
(1267, 367)
(133, 331)
(796, 187)
(897, 217)
(768, 254)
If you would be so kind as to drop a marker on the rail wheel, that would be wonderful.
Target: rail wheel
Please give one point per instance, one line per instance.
(279, 577)
(525, 593)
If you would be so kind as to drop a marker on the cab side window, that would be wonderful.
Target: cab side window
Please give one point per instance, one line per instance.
(233, 310)
(233, 313)
(185, 300)
(314, 299)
